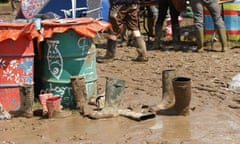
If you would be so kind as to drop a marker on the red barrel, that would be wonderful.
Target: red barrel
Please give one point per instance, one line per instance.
(16, 62)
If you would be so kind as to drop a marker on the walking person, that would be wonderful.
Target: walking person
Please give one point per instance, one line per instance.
(213, 8)
(124, 12)
(163, 7)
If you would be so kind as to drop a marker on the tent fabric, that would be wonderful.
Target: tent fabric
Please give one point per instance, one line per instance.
(87, 27)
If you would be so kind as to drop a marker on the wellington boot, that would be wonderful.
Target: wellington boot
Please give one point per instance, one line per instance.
(110, 54)
(79, 92)
(167, 91)
(141, 50)
(182, 91)
(114, 88)
(176, 37)
(200, 40)
(26, 101)
(223, 39)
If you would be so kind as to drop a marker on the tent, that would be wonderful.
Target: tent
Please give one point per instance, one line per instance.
(98, 8)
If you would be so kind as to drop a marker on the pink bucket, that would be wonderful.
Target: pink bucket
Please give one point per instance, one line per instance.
(53, 104)
(43, 96)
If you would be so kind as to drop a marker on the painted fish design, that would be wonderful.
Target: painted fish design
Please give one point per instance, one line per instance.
(54, 59)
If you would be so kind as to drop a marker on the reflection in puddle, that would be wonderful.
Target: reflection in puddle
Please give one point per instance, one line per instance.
(173, 127)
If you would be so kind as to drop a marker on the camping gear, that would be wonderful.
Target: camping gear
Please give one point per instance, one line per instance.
(79, 92)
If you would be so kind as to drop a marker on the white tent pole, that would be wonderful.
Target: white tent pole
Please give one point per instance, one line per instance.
(74, 8)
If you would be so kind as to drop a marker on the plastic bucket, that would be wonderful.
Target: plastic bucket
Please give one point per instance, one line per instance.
(53, 104)
(64, 55)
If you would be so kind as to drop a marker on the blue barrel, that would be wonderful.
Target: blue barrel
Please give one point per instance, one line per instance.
(105, 9)
(64, 55)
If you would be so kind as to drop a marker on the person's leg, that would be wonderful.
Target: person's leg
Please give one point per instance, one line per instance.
(162, 12)
(197, 8)
(116, 18)
(215, 12)
(132, 24)
(175, 22)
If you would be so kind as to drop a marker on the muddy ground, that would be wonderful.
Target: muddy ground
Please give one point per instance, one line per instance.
(214, 109)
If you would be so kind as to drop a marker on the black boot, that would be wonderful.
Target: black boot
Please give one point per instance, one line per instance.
(176, 37)
(110, 54)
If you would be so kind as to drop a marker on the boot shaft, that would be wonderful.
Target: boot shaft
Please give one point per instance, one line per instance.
(182, 91)
(141, 47)
(111, 48)
(114, 88)
(167, 87)
(199, 33)
(27, 99)
(79, 92)
(223, 39)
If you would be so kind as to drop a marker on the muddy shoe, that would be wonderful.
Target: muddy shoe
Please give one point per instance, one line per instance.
(141, 59)
(105, 59)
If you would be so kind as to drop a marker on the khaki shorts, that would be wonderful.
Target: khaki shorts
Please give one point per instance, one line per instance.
(121, 15)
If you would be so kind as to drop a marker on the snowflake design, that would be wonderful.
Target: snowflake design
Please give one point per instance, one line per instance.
(8, 74)
(14, 64)
(17, 78)
(2, 63)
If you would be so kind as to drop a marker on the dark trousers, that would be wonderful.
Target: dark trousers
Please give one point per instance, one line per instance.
(163, 9)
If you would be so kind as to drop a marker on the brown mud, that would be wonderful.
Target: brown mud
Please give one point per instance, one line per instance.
(214, 109)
